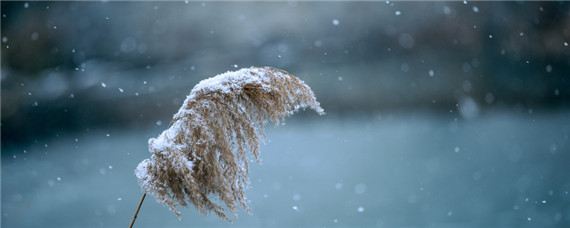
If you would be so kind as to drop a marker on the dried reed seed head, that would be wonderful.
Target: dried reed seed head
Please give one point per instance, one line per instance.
(201, 158)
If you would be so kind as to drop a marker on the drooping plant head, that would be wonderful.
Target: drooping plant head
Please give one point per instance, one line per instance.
(201, 158)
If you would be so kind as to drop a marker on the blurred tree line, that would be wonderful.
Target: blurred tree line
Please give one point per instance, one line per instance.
(77, 66)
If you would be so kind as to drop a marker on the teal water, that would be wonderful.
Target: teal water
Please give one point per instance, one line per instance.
(388, 170)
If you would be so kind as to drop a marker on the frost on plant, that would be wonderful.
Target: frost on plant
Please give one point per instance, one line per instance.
(201, 158)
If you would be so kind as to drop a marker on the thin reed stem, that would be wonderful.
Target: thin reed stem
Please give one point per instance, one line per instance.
(137, 212)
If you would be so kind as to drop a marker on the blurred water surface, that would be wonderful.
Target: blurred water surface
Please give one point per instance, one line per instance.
(393, 170)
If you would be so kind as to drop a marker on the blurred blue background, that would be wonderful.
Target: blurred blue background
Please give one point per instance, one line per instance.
(439, 114)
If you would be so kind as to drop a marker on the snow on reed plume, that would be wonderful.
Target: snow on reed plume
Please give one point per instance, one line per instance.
(201, 158)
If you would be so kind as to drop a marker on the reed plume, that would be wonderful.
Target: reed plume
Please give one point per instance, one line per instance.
(201, 159)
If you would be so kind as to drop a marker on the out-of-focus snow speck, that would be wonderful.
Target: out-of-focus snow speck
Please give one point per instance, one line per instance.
(465, 2)
(490, 36)
(335, 22)
(468, 108)
(108, 135)
(397, 13)
(566, 44)
(26, 5)
(340, 78)
(110, 167)
(296, 197)
(521, 34)
(548, 68)
(456, 149)
(446, 10)
(159, 123)
(318, 43)
(544, 201)
(121, 90)
(295, 208)
(360, 188)
(335, 220)
(119, 199)
(103, 84)
(475, 9)
(528, 218)
(449, 213)
(58, 178)
(431, 73)
(338, 186)
(556, 92)
(235, 66)
(360, 209)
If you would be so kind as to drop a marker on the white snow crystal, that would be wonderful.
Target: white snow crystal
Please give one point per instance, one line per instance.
(103, 84)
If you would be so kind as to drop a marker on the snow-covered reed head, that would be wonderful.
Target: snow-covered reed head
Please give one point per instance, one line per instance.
(201, 158)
